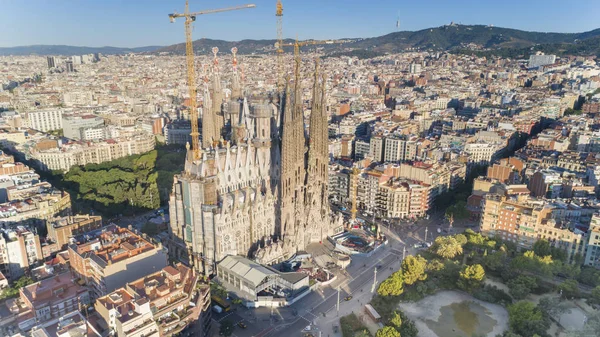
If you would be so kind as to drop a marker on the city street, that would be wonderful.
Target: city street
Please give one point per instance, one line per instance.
(320, 307)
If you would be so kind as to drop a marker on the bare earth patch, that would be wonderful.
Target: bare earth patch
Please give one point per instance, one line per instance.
(453, 313)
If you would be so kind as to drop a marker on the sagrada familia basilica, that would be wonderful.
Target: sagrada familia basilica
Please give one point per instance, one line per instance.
(259, 186)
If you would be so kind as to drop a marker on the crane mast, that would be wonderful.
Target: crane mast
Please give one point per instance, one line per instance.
(191, 71)
(279, 15)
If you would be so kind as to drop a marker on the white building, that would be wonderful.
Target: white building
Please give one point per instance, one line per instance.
(482, 153)
(45, 120)
(394, 149)
(539, 60)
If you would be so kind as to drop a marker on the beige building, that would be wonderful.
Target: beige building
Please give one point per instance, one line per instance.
(524, 220)
(592, 256)
(113, 256)
(62, 230)
(9, 138)
(160, 304)
(40, 206)
(401, 199)
(50, 299)
(66, 156)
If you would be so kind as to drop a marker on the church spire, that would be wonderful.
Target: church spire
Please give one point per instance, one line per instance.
(318, 137)
(236, 89)
(217, 98)
(208, 118)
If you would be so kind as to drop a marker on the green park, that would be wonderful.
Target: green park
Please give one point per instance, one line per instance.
(469, 285)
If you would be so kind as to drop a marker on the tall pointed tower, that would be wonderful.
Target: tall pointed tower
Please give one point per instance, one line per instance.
(317, 178)
(212, 99)
(217, 98)
(293, 162)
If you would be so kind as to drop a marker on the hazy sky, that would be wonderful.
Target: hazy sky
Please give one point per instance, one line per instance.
(134, 23)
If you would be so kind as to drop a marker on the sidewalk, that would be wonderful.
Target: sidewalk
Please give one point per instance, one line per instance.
(360, 297)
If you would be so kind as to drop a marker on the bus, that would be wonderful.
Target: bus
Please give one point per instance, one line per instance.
(221, 302)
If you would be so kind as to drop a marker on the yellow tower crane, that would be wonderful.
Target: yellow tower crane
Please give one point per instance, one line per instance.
(279, 15)
(191, 72)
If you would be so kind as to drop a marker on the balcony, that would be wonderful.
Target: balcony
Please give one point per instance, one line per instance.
(141, 326)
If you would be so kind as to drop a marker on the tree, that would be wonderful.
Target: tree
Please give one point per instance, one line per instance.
(226, 328)
(494, 261)
(552, 306)
(392, 286)
(591, 327)
(405, 326)
(387, 331)
(526, 319)
(589, 276)
(396, 320)
(435, 265)
(461, 239)
(124, 184)
(471, 277)
(447, 247)
(13, 291)
(595, 298)
(569, 288)
(542, 248)
(458, 211)
(531, 262)
(521, 286)
(413, 269)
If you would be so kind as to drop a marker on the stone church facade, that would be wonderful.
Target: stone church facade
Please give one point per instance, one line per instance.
(259, 186)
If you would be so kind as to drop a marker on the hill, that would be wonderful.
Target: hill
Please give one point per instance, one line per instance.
(495, 40)
(71, 50)
(455, 36)
(448, 37)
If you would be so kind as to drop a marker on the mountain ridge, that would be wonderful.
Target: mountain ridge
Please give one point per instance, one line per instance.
(494, 40)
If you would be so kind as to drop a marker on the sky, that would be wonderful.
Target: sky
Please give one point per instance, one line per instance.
(135, 23)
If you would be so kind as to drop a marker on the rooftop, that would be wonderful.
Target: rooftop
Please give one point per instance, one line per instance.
(111, 244)
(52, 290)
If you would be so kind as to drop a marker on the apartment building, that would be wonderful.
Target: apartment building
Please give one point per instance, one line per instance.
(162, 304)
(361, 149)
(592, 254)
(45, 119)
(545, 183)
(523, 220)
(368, 187)
(108, 258)
(50, 299)
(65, 156)
(376, 148)
(46, 203)
(395, 148)
(19, 249)
(74, 126)
(482, 153)
(72, 98)
(339, 184)
(402, 198)
(62, 229)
